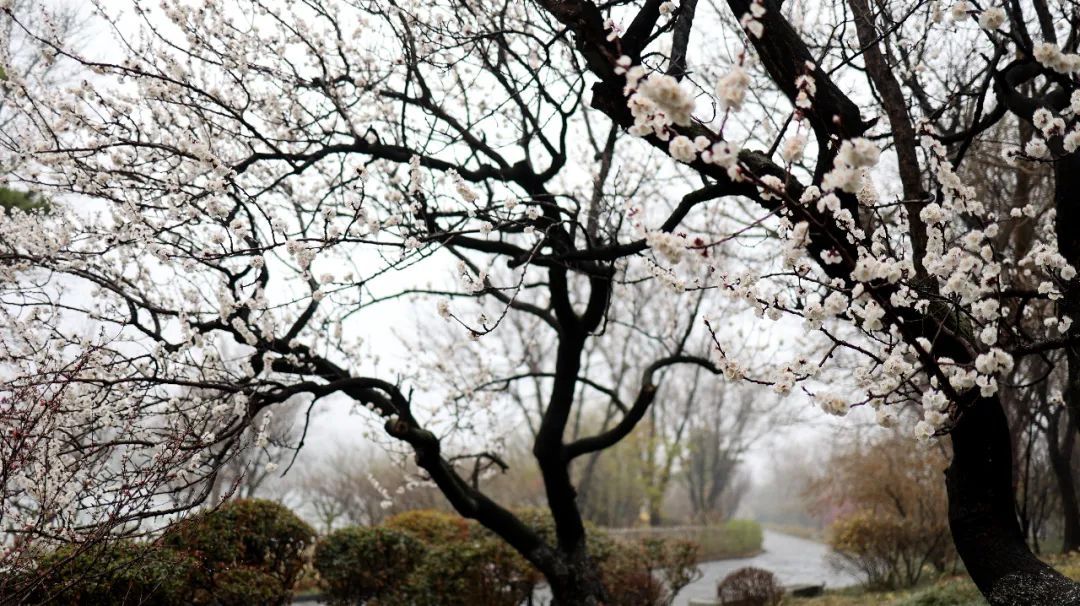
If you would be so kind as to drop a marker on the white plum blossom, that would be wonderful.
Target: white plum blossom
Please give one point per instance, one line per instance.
(750, 21)
(832, 404)
(960, 11)
(1051, 56)
(924, 431)
(669, 96)
(991, 19)
(1071, 141)
(772, 188)
(793, 148)
(1037, 148)
(683, 149)
(853, 155)
(666, 244)
(731, 88)
(807, 89)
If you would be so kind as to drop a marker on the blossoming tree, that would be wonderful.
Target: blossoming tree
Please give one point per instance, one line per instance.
(267, 178)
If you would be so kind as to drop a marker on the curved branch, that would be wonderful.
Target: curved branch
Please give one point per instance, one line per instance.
(637, 411)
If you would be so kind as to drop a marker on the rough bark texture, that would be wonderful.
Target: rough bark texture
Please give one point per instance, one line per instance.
(982, 516)
(1066, 182)
(1059, 451)
(577, 582)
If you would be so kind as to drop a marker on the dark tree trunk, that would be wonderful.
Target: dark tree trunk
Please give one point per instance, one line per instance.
(982, 516)
(577, 582)
(1066, 184)
(1060, 455)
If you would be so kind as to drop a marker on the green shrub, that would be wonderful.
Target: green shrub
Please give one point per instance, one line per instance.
(357, 564)
(430, 526)
(484, 570)
(119, 572)
(741, 537)
(430, 558)
(249, 552)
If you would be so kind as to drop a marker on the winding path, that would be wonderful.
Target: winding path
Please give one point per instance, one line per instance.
(793, 560)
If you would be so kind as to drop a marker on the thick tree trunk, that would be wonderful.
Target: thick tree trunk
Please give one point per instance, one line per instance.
(576, 582)
(982, 516)
(1060, 455)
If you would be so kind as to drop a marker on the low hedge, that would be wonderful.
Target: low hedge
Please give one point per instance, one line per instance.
(732, 539)
(430, 526)
(358, 564)
(245, 553)
(250, 551)
(426, 558)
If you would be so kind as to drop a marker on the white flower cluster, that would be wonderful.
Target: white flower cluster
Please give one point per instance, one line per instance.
(1051, 56)
(797, 239)
(470, 282)
(468, 195)
(725, 155)
(1051, 126)
(807, 88)
(786, 376)
(935, 405)
(853, 155)
(960, 11)
(750, 21)
(666, 244)
(684, 149)
(731, 88)
(656, 101)
(991, 19)
(666, 276)
(832, 403)
(817, 310)
(793, 148)
(989, 364)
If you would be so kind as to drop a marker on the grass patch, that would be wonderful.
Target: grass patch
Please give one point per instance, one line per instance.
(946, 591)
(732, 539)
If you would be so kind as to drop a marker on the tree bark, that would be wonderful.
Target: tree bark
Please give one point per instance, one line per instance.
(1066, 181)
(577, 582)
(1060, 455)
(982, 515)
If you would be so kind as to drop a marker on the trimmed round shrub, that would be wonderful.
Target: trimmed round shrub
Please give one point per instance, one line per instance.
(484, 570)
(430, 526)
(120, 572)
(358, 564)
(250, 552)
(750, 587)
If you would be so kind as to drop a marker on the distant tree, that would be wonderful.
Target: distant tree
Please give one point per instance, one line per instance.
(720, 435)
(891, 516)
